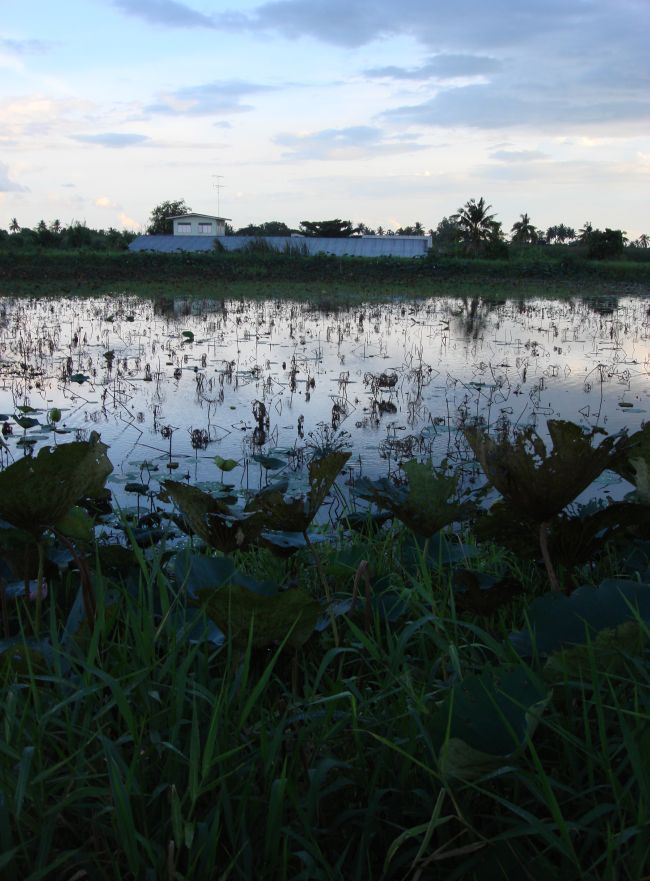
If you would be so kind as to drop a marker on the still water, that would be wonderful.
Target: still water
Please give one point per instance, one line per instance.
(171, 383)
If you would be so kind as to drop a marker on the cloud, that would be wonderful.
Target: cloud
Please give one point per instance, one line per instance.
(7, 185)
(220, 97)
(24, 47)
(105, 202)
(129, 222)
(518, 155)
(165, 12)
(500, 105)
(440, 67)
(355, 142)
(112, 139)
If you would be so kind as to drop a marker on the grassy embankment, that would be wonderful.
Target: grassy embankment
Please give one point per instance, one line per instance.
(343, 280)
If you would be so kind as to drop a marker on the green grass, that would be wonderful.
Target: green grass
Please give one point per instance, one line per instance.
(135, 754)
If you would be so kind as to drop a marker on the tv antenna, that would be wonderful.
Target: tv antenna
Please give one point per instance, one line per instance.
(218, 187)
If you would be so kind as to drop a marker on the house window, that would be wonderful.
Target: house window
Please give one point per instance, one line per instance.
(205, 228)
(184, 229)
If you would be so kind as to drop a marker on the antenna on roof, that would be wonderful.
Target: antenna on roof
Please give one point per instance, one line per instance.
(218, 187)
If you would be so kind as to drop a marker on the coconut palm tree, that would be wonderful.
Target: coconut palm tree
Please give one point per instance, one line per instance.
(523, 232)
(643, 241)
(476, 224)
(14, 226)
(586, 231)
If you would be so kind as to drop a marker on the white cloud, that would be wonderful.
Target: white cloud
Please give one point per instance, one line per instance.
(218, 97)
(112, 139)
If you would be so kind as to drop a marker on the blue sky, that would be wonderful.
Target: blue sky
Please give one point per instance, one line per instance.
(373, 111)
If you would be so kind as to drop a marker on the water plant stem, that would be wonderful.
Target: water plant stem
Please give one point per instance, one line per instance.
(543, 543)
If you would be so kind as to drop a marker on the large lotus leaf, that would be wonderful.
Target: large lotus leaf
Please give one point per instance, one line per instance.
(573, 539)
(295, 514)
(243, 615)
(429, 503)
(537, 484)
(555, 620)
(607, 652)
(200, 572)
(194, 504)
(641, 480)
(38, 491)
(234, 531)
(636, 446)
(486, 719)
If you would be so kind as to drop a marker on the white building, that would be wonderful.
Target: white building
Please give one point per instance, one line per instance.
(199, 225)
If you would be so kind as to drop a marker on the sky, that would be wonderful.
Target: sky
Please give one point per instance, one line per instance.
(293, 110)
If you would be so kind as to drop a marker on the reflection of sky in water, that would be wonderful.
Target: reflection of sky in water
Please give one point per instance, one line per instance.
(445, 360)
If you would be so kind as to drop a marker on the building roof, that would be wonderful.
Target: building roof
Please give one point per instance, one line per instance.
(194, 214)
(354, 246)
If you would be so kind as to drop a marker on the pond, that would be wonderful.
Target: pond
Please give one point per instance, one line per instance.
(170, 383)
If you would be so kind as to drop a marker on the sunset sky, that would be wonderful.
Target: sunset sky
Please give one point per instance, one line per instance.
(371, 110)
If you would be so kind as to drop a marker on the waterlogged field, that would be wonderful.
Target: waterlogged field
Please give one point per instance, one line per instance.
(170, 384)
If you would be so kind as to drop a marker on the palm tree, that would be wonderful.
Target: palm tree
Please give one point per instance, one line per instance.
(523, 231)
(643, 241)
(586, 231)
(14, 226)
(476, 225)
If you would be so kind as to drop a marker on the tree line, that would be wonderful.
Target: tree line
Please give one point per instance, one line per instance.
(472, 231)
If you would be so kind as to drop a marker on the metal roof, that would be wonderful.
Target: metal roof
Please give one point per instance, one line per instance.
(195, 214)
(354, 246)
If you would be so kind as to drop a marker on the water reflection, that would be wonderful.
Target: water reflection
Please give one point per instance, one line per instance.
(172, 382)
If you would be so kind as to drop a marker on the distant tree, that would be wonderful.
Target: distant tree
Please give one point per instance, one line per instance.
(477, 225)
(642, 242)
(559, 234)
(447, 235)
(269, 228)
(605, 243)
(364, 230)
(380, 231)
(329, 229)
(14, 226)
(77, 235)
(159, 222)
(523, 231)
(416, 230)
(55, 227)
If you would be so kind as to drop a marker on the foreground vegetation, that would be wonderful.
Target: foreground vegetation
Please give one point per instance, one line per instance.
(271, 699)
(262, 274)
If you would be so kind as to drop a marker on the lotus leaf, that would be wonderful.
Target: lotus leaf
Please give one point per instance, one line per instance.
(36, 492)
(636, 446)
(26, 422)
(270, 463)
(77, 525)
(225, 464)
(486, 719)
(536, 484)
(194, 505)
(428, 503)
(555, 620)
(244, 615)
(295, 514)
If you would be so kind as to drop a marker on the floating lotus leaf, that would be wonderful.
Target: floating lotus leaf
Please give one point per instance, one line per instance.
(536, 484)
(243, 615)
(295, 514)
(36, 492)
(555, 620)
(270, 463)
(26, 422)
(194, 505)
(485, 720)
(426, 505)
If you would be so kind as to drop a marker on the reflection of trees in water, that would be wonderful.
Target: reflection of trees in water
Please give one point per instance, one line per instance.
(601, 305)
(470, 319)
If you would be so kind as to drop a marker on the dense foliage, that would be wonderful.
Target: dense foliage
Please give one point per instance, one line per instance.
(270, 699)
